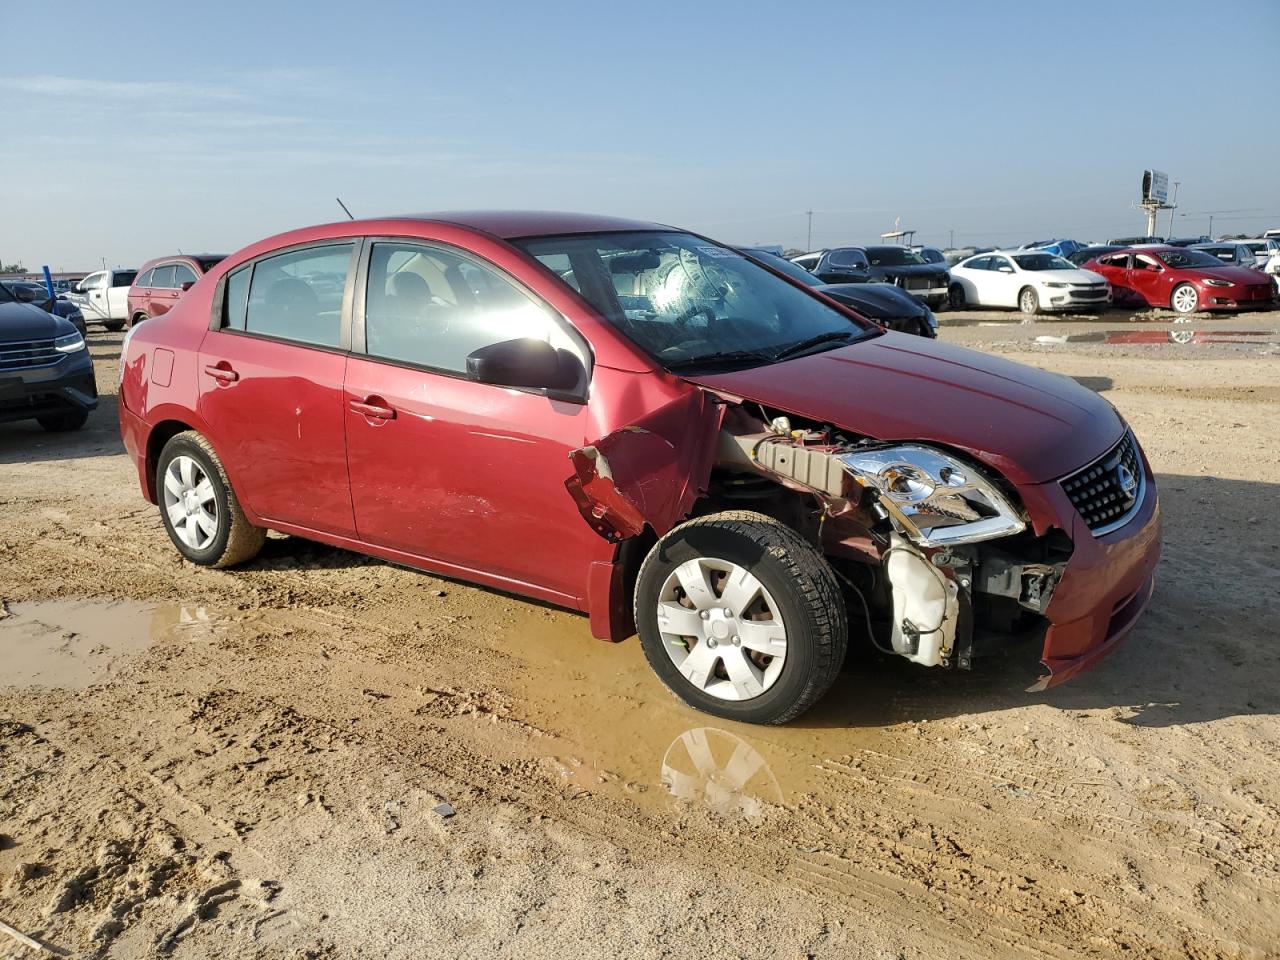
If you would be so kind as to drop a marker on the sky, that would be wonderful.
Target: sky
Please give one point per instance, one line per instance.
(139, 129)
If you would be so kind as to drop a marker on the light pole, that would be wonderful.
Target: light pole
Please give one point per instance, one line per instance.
(809, 242)
(1172, 207)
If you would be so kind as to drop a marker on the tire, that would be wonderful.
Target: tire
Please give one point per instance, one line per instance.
(137, 319)
(955, 297)
(114, 326)
(795, 595)
(64, 422)
(1184, 299)
(1028, 301)
(233, 539)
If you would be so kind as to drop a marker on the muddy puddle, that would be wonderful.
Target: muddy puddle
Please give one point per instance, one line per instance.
(71, 644)
(1180, 337)
(616, 729)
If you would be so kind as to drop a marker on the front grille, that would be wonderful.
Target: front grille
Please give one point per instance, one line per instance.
(22, 354)
(1088, 294)
(1108, 490)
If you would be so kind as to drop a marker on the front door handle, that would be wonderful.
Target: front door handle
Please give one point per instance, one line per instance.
(375, 408)
(222, 372)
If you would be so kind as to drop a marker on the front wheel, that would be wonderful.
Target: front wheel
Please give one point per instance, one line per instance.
(955, 297)
(200, 510)
(741, 617)
(113, 326)
(1185, 298)
(1029, 301)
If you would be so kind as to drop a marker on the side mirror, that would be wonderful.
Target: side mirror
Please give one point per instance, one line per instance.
(525, 362)
(186, 285)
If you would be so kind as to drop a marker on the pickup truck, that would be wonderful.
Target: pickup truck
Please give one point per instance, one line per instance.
(104, 297)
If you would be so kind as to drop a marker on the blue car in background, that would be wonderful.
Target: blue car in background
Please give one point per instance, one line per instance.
(1062, 248)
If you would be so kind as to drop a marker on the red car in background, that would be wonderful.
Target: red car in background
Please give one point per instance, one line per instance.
(642, 424)
(162, 282)
(1183, 280)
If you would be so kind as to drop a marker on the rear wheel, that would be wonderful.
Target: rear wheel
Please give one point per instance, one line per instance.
(1029, 301)
(741, 617)
(113, 325)
(137, 319)
(200, 510)
(1185, 298)
(63, 422)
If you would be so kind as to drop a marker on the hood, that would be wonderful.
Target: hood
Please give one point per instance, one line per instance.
(1068, 276)
(1244, 275)
(913, 270)
(26, 321)
(1029, 425)
(879, 300)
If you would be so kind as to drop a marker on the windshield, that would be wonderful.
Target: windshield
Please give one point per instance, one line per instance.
(5, 295)
(690, 303)
(1042, 261)
(893, 257)
(1181, 259)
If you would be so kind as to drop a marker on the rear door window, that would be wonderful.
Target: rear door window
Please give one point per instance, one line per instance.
(847, 258)
(298, 295)
(162, 277)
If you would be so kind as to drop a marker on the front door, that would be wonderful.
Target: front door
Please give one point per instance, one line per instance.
(1115, 267)
(271, 385)
(92, 299)
(442, 467)
(1003, 283)
(1150, 282)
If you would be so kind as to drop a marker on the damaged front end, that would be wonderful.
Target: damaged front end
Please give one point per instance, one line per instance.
(938, 556)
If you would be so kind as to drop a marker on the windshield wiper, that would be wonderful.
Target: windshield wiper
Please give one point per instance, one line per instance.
(829, 337)
(726, 358)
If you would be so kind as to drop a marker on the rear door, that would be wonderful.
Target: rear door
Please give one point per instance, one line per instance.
(160, 295)
(844, 266)
(1115, 267)
(271, 370)
(443, 467)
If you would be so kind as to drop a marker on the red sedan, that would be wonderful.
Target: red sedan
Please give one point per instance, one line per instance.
(1184, 280)
(644, 425)
(162, 282)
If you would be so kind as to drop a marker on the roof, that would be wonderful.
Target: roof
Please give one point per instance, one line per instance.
(510, 224)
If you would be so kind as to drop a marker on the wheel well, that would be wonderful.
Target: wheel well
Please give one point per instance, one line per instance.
(161, 433)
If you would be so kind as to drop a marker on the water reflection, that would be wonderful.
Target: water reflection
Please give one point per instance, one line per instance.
(1183, 337)
(721, 772)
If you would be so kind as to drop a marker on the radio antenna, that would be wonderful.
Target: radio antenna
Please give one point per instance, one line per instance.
(344, 208)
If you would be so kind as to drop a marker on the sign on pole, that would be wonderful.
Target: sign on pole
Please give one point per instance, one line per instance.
(1155, 187)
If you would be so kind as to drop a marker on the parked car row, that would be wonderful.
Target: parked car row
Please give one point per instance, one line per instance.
(46, 373)
(899, 265)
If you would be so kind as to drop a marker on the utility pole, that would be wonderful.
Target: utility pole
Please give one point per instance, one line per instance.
(951, 243)
(1211, 226)
(809, 242)
(1172, 207)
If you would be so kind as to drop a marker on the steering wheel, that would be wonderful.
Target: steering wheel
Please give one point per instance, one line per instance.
(682, 319)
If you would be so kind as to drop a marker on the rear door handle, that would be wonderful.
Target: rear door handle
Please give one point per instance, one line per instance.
(375, 408)
(222, 372)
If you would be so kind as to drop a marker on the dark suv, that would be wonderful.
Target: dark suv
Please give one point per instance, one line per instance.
(46, 374)
(886, 264)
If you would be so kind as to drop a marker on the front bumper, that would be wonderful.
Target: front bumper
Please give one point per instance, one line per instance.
(1105, 587)
(1077, 300)
(1257, 296)
(56, 388)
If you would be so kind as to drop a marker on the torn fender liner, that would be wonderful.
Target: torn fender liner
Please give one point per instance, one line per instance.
(648, 473)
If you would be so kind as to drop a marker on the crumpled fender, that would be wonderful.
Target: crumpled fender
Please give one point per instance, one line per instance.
(648, 473)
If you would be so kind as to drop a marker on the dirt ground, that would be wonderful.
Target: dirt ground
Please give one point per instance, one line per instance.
(253, 763)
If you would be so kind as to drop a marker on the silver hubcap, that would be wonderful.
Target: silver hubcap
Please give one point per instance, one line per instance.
(190, 502)
(1028, 302)
(721, 629)
(1184, 299)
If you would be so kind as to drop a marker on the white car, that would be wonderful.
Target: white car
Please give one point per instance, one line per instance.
(104, 297)
(1266, 250)
(1030, 280)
